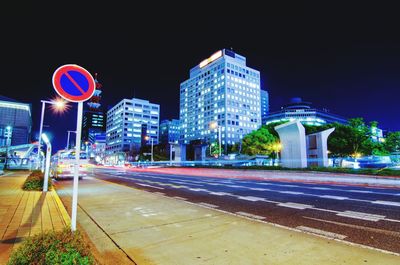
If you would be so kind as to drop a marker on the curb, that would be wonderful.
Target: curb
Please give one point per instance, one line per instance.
(60, 205)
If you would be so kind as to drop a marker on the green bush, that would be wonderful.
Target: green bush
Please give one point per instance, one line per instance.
(35, 181)
(62, 247)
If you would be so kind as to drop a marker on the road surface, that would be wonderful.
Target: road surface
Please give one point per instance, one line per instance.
(364, 215)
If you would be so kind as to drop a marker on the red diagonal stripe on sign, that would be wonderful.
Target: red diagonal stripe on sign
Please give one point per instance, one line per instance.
(75, 83)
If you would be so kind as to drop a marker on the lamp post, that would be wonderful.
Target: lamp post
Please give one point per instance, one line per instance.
(48, 155)
(277, 148)
(214, 125)
(151, 139)
(170, 153)
(241, 139)
(8, 143)
(59, 105)
(66, 148)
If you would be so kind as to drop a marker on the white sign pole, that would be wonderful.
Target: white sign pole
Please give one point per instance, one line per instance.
(76, 171)
(46, 172)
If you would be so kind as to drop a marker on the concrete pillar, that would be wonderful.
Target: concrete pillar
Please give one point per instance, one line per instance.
(293, 139)
(317, 148)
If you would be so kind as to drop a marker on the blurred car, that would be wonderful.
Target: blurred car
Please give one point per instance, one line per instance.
(62, 166)
(350, 163)
(375, 162)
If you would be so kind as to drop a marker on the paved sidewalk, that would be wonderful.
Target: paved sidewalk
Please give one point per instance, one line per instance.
(26, 213)
(134, 226)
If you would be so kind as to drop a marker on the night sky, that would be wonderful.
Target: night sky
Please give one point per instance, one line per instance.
(343, 58)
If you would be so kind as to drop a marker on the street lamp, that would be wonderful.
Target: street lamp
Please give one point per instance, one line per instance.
(66, 148)
(8, 134)
(277, 147)
(147, 138)
(214, 125)
(48, 155)
(170, 152)
(59, 105)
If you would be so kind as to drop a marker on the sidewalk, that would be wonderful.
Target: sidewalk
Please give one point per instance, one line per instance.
(134, 226)
(26, 213)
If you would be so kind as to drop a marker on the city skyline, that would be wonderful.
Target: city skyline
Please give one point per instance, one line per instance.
(347, 65)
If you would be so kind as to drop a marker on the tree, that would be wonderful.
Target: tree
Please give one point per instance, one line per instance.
(259, 142)
(215, 149)
(392, 143)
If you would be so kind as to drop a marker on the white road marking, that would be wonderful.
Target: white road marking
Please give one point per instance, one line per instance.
(250, 198)
(361, 191)
(259, 189)
(147, 185)
(208, 205)
(220, 193)
(318, 188)
(362, 216)
(196, 189)
(236, 186)
(321, 232)
(295, 205)
(251, 215)
(291, 192)
(179, 198)
(387, 203)
(333, 197)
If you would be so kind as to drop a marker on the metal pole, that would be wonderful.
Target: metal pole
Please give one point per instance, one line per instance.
(219, 139)
(76, 171)
(152, 160)
(66, 148)
(40, 134)
(170, 154)
(46, 172)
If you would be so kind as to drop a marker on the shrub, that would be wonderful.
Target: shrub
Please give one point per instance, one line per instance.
(35, 181)
(62, 247)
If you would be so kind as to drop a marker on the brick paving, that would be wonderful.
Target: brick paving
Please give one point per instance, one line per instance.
(26, 213)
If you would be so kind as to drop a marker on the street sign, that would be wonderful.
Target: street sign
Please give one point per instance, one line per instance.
(73, 83)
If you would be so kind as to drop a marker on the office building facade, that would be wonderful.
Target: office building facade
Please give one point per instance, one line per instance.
(169, 131)
(15, 122)
(303, 111)
(128, 122)
(222, 90)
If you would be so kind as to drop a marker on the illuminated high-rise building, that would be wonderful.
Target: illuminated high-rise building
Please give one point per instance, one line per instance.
(94, 118)
(132, 123)
(222, 91)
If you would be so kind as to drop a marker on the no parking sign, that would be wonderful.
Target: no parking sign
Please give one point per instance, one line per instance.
(74, 83)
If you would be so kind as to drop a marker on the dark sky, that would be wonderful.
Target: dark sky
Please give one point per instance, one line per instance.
(343, 58)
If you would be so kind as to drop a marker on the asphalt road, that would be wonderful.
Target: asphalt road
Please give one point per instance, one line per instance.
(362, 215)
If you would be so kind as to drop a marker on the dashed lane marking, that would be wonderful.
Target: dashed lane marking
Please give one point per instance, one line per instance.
(150, 186)
(333, 197)
(179, 198)
(220, 193)
(291, 192)
(250, 198)
(361, 216)
(208, 205)
(251, 215)
(293, 205)
(387, 203)
(321, 232)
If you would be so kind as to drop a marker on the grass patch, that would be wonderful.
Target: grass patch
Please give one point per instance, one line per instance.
(62, 247)
(35, 181)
